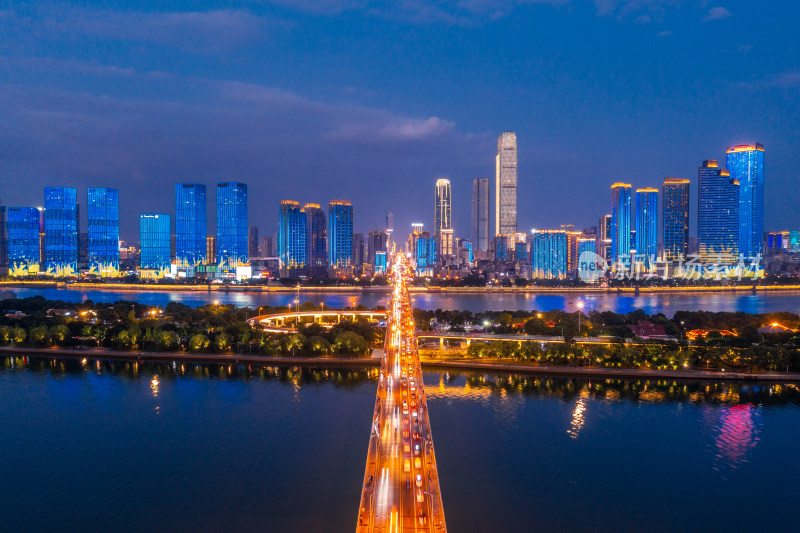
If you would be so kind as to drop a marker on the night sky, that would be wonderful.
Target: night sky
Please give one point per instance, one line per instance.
(372, 101)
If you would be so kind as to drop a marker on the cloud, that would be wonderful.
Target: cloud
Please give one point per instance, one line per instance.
(664, 33)
(717, 13)
(784, 80)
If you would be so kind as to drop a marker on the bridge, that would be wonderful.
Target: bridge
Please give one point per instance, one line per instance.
(278, 322)
(401, 479)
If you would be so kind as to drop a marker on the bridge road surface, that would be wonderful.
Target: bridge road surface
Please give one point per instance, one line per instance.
(401, 481)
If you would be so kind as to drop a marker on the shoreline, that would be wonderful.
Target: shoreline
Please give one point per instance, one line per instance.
(471, 365)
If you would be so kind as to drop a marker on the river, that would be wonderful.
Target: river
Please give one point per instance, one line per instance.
(97, 446)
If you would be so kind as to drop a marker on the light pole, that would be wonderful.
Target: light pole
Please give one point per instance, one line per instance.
(580, 312)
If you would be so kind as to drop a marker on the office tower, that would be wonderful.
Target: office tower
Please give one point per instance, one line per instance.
(549, 253)
(746, 165)
(480, 213)
(83, 248)
(647, 224)
(717, 214)
(442, 217)
(425, 253)
(3, 237)
(603, 246)
(232, 235)
(211, 251)
(317, 234)
(505, 188)
(61, 231)
(23, 241)
(154, 240)
(586, 244)
(340, 238)
(620, 222)
(292, 240)
(359, 251)
(675, 218)
(190, 226)
(103, 231)
(269, 246)
(501, 247)
(377, 242)
(411, 243)
(572, 246)
(252, 241)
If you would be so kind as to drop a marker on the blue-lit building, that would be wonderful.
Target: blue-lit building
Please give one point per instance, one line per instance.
(103, 236)
(501, 247)
(61, 231)
(717, 214)
(23, 240)
(586, 245)
(380, 263)
(647, 224)
(190, 226)
(549, 253)
(292, 240)
(746, 166)
(231, 226)
(340, 238)
(621, 222)
(317, 234)
(425, 254)
(521, 252)
(675, 217)
(154, 239)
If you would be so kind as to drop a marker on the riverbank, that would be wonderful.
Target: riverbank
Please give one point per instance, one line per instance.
(427, 363)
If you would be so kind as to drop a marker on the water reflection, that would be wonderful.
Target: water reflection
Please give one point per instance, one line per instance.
(735, 430)
(578, 418)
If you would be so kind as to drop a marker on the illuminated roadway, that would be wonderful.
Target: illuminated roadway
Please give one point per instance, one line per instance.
(401, 481)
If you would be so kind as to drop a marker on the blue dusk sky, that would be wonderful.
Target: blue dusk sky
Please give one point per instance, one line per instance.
(372, 101)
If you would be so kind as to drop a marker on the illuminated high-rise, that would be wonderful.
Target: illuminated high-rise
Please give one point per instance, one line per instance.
(603, 246)
(317, 234)
(23, 240)
(647, 224)
(154, 239)
(231, 225)
(505, 189)
(717, 214)
(549, 253)
(340, 238)
(620, 222)
(103, 231)
(61, 231)
(292, 240)
(746, 165)
(480, 213)
(675, 218)
(442, 217)
(190, 225)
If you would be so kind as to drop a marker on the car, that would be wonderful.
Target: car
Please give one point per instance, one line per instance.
(416, 449)
(420, 496)
(422, 518)
(406, 466)
(407, 484)
(405, 433)
(418, 480)
(417, 462)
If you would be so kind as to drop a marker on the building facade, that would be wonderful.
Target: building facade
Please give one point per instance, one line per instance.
(506, 184)
(317, 234)
(717, 214)
(190, 226)
(292, 240)
(232, 237)
(480, 213)
(154, 239)
(102, 211)
(746, 166)
(647, 224)
(442, 217)
(23, 241)
(620, 222)
(675, 218)
(252, 241)
(549, 254)
(61, 231)
(340, 238)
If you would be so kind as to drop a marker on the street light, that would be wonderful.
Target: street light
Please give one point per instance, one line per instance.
(580, 312)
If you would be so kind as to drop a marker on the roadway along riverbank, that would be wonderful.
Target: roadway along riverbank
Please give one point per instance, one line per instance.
(428, 363)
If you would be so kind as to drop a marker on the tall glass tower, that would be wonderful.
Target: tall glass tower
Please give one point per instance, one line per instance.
(620, 222)
(442, 217)
(23, 241)
(480, 213)
(103, 215)
(190, 225)
(292, 240)
(675, 217)
(154, 238)
(340, 237)
(746, 165)
(231, 225)
(506, 184)
(317, 234)
(717, 214)
(549, 253)
(61, 231)
(647, 224)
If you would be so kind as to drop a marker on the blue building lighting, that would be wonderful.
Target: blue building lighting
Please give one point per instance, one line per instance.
(549, 254)
(717, 214)
(103, 216)
(23, 241)
(61, 231)
(154, 239)
(340, 238)
(647, 224)
(190, 225)
(621, 222)
(292, 240)
(746, 165)
(231, 225)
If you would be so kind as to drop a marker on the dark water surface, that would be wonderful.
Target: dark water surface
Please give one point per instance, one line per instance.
(666, 303)
(98, 447)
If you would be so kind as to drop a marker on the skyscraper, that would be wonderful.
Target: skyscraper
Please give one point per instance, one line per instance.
(549, 253)
(442, 217)
(604, 237)
(292, 240)
(480, 213)
(647, 224)
(3, 237)
(620, 222)
(61, 231)
(506, 184)
(746, 165)
(23, 241)
(675, 218)
(103, 231)
(154, 239)
(317, 234)
(190, 225)
(717, 214)
(340, 238)
(231, 225)
(252, 241)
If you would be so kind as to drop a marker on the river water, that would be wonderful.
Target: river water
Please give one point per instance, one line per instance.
(666, 303)
(98, 447)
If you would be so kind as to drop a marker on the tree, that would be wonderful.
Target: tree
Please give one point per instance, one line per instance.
(198, 342)
(350, 342)
(18, 335)
(318, 345)
(59, 334)
(222, 342)
(292, 343)
(39, 335)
